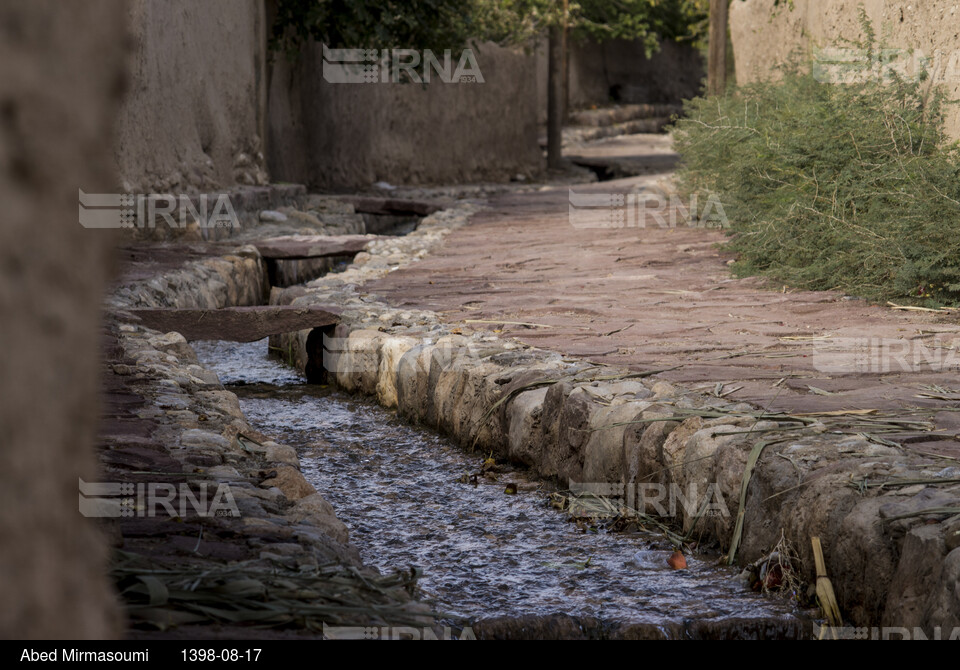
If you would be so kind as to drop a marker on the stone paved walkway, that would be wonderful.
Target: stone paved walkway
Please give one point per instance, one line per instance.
(652, 297)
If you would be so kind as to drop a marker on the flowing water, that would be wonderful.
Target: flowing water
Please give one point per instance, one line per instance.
(483, 553)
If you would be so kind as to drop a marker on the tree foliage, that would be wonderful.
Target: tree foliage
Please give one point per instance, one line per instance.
(379, 24)
(452, 24)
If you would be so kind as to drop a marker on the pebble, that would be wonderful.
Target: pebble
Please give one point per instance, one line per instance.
(272, 216)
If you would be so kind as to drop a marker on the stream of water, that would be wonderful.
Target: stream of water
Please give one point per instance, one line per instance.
(483, 553)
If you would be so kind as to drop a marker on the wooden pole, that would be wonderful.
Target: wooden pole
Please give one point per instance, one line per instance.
(717, 58)
(555, 98)
(565, 49)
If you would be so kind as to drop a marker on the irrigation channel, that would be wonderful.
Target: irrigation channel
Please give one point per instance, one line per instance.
(401, 491)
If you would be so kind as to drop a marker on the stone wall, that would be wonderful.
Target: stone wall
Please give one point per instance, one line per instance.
(62, 69)
(764, 35)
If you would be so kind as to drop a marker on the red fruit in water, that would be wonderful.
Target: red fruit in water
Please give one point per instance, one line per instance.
(677, 561)
(773, 578)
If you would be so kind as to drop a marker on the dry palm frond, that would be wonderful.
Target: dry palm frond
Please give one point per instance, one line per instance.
(742, 509)
(825, 594)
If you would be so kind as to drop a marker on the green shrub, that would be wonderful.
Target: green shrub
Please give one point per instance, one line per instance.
(832, 186)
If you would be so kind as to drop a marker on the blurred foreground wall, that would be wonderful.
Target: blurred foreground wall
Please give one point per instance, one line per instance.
(61, 78)
(764, 35)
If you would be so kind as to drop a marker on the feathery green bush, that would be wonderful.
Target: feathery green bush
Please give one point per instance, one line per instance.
(848, 186)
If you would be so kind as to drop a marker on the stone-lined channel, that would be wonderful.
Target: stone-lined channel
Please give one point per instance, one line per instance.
(484, 554)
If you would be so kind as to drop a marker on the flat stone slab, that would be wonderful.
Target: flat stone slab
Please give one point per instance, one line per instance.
(298, 247)
(237, 324)
(390, 206)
